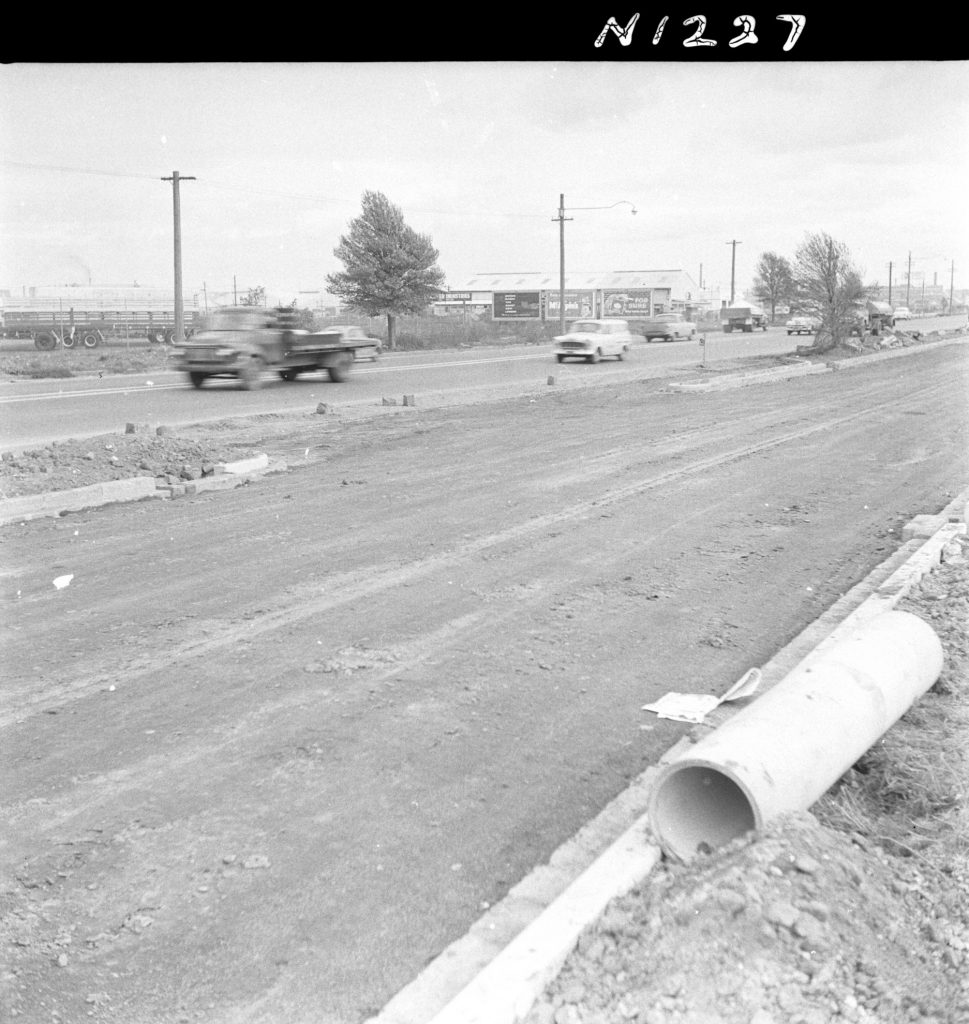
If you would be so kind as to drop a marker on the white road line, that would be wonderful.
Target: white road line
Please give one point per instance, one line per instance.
(184, 385)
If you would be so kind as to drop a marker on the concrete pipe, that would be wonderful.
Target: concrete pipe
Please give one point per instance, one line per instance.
(795, 741)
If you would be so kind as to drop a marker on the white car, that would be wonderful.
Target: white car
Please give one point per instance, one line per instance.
(903, 313)
(591, 340)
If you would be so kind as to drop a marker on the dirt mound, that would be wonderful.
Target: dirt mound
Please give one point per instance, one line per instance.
(76, 463)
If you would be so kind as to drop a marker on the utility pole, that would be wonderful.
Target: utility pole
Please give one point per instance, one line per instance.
(733, 265)
(889, 282)
(561, 218)
(179, 306)
(701, 275)
(952, 280)
(908, 282)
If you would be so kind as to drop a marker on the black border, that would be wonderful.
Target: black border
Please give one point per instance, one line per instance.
(489, 32)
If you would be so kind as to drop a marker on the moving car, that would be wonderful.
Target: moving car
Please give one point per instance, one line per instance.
(592, 339)
(903, 313)
(669, 327)
(802, 325)
(365, 346)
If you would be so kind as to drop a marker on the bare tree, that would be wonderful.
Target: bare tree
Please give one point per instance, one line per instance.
(829, 286)
(774, 283)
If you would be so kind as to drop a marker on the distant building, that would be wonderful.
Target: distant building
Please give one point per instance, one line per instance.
(532, 295)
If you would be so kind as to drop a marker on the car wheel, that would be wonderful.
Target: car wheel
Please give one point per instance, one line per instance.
(619, 356)
(593, 357)
(250, 376)
(69, 341)
(289, 374)
(559, 358)
(90, 340)
(197, 379)
(340, 368)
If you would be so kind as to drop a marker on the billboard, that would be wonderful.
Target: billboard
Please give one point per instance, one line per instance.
(578, 304)
(517, 306)
(632, 302)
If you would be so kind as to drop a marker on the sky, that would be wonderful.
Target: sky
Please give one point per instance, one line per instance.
(476, 155)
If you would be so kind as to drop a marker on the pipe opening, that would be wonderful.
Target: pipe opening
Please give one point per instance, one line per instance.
(695, 805)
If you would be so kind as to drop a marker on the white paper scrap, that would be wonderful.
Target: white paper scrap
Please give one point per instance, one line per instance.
(62, 581)
(694, 707)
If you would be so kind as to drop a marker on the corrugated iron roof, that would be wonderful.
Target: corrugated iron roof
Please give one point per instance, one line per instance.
(541, 281)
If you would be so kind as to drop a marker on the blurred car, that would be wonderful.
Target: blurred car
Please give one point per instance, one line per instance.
(903, 313)
(366, 346)
(802, 325)
(668, 327)
(592, 339)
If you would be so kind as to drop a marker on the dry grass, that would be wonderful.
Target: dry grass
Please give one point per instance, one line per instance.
(85, 362)
(911, 790)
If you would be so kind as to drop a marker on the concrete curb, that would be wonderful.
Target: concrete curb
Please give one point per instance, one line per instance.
(56, 503)
(495, 973)
(36, 506)
(743, 379)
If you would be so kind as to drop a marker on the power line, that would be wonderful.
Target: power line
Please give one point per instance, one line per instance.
(250, 190)
(76, 170)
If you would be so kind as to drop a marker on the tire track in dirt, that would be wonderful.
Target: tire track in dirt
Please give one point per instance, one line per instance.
(359, 585)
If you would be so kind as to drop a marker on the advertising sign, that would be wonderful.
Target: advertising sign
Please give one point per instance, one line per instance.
(454, 296)
(578, 304)
(517, 306)
(633, 302)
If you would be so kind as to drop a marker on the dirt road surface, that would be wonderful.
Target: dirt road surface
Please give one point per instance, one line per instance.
(272, 749)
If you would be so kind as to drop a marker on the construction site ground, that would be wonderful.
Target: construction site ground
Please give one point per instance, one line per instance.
(269, 752)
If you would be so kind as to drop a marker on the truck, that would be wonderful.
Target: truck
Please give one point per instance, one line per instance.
(59, 321)
(871, 317)
(245, 342)
(742, 318)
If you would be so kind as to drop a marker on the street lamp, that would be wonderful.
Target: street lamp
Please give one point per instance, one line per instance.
(561, 218)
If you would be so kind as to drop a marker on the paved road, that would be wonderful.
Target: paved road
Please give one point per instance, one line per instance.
(273, 749)
(35, 412)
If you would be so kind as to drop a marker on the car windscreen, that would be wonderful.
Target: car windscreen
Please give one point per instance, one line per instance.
(586, 327)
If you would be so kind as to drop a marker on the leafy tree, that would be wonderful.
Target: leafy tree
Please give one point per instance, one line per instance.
(254, 297)
(829, 286)
(774, 283)
(390, 268)
(299, 316)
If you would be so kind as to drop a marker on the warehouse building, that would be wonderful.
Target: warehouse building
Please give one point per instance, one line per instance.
(631, 294)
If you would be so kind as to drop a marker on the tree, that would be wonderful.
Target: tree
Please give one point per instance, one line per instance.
(254, 297)
(390, 268)
(830, 287)
(774, 283)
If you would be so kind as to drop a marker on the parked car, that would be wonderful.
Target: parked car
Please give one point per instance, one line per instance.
(668, 327)
(903, 313)
(592, 339)
(802, 325)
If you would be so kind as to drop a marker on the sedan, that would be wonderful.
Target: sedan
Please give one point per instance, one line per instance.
(903, 313)
(592, 339)
(802, 325)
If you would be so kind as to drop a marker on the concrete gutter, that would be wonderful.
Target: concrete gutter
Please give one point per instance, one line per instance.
(496, 972)
(55, 503)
